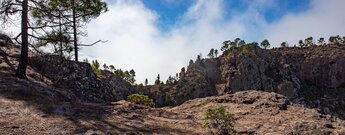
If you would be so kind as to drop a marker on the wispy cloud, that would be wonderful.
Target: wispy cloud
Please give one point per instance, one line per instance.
(321, 19)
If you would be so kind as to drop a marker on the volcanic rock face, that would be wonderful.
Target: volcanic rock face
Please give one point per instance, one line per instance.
(79, 77)
(199, 81)
(258, 70)
(286, 71)
(322, 66)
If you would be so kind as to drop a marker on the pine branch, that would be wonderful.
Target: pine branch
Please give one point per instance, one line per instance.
(99, 41)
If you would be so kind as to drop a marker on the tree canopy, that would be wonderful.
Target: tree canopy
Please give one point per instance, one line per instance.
(265, 43)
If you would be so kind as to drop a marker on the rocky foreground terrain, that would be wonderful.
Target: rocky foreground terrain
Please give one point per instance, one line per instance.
(278, 91)
(29, 108)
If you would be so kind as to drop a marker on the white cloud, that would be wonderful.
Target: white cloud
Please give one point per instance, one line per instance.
(135, 40)
(324, 18)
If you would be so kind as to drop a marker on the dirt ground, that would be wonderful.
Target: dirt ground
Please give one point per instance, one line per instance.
(34, 108)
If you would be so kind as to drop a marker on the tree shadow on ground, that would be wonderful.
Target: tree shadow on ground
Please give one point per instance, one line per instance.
(85, 117)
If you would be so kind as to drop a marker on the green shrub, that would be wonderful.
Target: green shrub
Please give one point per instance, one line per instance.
(228, 56)
(248, 51)
(218, 118)
(141, 99)
(95, 67)
(223, 72)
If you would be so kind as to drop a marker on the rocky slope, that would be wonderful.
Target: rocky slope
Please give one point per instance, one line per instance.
(76, 78)
(79, 77)
(313, 76)
(43, 110)
(199, 81)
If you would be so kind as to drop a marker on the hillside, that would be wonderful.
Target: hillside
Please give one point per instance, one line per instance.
(276, 91)
(313, 76)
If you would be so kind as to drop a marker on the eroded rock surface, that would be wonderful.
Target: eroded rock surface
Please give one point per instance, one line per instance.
(79, 77)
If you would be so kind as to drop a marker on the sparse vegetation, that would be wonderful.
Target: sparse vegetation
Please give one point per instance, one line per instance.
(219, 119)
(241, 43)
(141, 99)
(146, 82)
(265, 44)
(158, 80)
(183, 72)
(308, 41)
(211, 53)
(199, 57)
(226, 45)
(321, 41)
(284, 45)
(216, 52)
(223, 72)
(248, 51)
(228, 56)
(301, 43)
(95, 67)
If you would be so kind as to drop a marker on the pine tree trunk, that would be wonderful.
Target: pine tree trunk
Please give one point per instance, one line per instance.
(61, 37)
(75, 32)
(23, 61)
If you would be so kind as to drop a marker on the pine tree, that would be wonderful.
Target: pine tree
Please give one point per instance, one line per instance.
(226, 45)
(199, 57)
(211, 53)
(112, 68)
(12, 7)
(158, 80)
(241, 43)
(284, 45)
(216, 52)
(132, 76)
(321, 41)
(75, 15)
(265, 43)
(146, 82)
(308, 41)
(301, 43)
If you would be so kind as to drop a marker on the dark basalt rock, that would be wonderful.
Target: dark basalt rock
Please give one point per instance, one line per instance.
(79, 77)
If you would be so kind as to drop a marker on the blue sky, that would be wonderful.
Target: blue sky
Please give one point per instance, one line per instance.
(170, 11)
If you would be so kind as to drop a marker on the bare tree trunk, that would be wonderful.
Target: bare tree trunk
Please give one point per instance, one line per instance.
(61, 37)
(23, 61)
(75, 32)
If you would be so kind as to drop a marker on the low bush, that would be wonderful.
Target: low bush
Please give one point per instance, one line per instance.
(219, 119)
(141, 99)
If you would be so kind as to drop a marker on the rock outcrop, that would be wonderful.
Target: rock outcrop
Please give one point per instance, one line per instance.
(5, 40)
(79, 77)
(75, 79)
(287, 71)
(199, 81)
(321, 66)
(250, 67)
